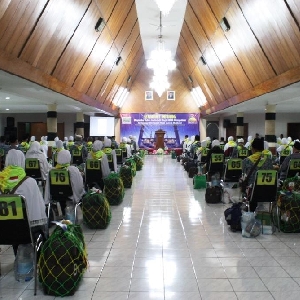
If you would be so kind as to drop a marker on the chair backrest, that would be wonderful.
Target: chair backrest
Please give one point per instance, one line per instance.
(204, 153)
(14, 224)
(60, 184)
(93, 171)
(294, 167)
(119, 154)
(216, 163)
(233, 170)
(265, 186)
(243, 153)
(76, 156)
(284, 153)
(32, 168)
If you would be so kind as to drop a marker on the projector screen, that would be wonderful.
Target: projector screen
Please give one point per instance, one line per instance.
(102, 126)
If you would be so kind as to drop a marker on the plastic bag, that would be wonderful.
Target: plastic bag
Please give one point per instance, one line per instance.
(251, 227)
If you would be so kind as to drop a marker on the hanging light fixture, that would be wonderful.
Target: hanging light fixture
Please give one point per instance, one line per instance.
(161, 62)
(165, 5)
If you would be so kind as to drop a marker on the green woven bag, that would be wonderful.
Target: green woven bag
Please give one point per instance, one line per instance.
(139, 162)
(126, 176)
(96, 210)
(114, 189)
(132, 164)
(63, 260)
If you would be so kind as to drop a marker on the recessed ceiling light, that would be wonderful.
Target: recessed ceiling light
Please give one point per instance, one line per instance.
(7, 98)
(7, 109)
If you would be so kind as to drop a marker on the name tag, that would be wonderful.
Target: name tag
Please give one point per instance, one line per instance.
(11, 208)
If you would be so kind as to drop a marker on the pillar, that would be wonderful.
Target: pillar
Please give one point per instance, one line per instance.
(270, 118)
(240, 125)
(202, 129)
(80, 124)
(51, 122)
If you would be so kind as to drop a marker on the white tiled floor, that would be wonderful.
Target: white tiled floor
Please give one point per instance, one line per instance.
(165, 242)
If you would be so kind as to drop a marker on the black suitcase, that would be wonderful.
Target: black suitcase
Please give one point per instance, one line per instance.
(190, 164)
(213, 194)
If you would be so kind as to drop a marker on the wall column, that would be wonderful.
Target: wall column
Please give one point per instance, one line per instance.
(79, 124)
(270, 118)
(202, 128)
(51, 122)
(240, 125)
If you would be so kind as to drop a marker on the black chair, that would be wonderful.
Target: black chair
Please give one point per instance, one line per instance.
(216, 164)
(264, 188)
(15, 227)
(110, 161)
(204, 153)
(283, 154)
(119, 154)
(233, 170)
(93, 173)
(32, 169)
(294, 168)
(77, 158)
(2, 158)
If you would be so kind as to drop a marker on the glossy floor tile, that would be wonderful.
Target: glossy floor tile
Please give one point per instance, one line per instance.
(164, 242)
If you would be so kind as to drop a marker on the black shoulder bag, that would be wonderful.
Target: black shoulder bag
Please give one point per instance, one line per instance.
(244, 183)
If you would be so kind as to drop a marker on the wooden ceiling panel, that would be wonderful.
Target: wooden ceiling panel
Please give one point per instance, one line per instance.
(294, 5)
(94, 61)
(79, 48)
(136, 54)
(276, 31)
(52, 33)
(205, 16)
(195, 28)
(120, 12)
(193, 48)
(230, 63)
(218, 73)
(128, 46)
(246, 47)
(18, 19)
(185, 56)
(219, 7)
(105, 8)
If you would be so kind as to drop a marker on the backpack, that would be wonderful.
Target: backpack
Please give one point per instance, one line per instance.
(233, 216)
(63, 261)
(96, 210)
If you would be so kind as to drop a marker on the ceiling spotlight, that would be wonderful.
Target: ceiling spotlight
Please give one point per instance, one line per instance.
(7, 98)
(129, 79)
(203, 60)
(6, 108)
(118, 60)
(190, 78)
(224, 24)
(99, 25)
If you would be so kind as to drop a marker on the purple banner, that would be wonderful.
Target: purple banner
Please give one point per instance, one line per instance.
(144, 125)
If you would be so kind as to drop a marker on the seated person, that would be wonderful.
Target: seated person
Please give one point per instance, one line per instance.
(215, 148)
(10, 177)
(194, 147)
(265, 163)
(97, 153)
(78, 145)
(63, 162)
(34, 151)
(229, 146)
(108, 150)
(124, 145)
(285, 165)
(240, 146)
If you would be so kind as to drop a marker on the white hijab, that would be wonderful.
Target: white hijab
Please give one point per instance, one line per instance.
(15, 158)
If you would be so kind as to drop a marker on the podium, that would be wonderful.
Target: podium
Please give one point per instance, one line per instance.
(160, 140)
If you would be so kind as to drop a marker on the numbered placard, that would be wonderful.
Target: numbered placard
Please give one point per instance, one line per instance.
(93, 164)
(243, 153)
(285, 152)
(59, 177)
(109, 157)
(118, 152)
(11, 208)
(295, 164)
(32, 163)
(204, 152)
(76, 152)
(234, 164)
(267, 177)
(217, 158)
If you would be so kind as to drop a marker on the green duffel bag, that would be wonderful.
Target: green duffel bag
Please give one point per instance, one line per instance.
(126, 176)
(63, 260)
(132, 164)
(139, 162)
(96, 210)
(199, 181)
(114, 188)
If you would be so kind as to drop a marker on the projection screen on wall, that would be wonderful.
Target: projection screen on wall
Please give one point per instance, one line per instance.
(102, 126)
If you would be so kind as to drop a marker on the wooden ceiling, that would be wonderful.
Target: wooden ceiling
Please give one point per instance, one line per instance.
(54, 43)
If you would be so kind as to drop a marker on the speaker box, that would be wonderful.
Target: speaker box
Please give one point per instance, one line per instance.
(10, 122)
(226, 123)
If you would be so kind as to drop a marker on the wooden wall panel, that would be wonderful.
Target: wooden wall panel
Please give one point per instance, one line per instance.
(195, 28)
(3, 7)
(219, 7)
(130, 41)
(106, 8)
(294, 5)
(276, 31)
(246, 47)
(185, 59)
(230, 63)
(137, 52)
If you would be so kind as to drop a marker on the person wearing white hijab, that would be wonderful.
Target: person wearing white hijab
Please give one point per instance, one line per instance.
(63, 162)
(108, 150)
(34, 151)
(249, 142)
(44, 146)
(15, 165)
(124, 145)
(97, 153)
